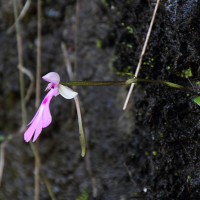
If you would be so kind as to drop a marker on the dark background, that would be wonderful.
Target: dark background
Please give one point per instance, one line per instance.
(149, 151)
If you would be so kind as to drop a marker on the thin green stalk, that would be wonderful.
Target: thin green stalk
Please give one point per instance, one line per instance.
(81, 132)
(37, 175)
(93, 83)
(49, 188)
(38, 86)
(128, 82)
(164, 83)
(20, 64)
(39, 41)
(37, 157)
(35, 152)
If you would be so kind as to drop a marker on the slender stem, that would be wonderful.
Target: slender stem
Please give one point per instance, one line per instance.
(39, 41)
(168, 84)
(49, 188)
(2, 160)
(38, 86)
(20, 64)
(76, 38)
(93, 83)
(37, 175)
(35, 152)
(21, 15)
(67, 61)
(81, 132)
(37, 157)
(88, 165)
(128, 82)
(142, 54)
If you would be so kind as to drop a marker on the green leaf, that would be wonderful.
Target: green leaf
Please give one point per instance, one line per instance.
(197, 100)
(173, 84)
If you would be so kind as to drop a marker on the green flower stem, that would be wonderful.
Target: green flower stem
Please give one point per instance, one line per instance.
(168, 84)
(128, 82)
(37, 157)
(92, 83)
(81, 132)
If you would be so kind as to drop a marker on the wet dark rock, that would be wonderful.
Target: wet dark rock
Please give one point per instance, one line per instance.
(149, 152)
(170, 115)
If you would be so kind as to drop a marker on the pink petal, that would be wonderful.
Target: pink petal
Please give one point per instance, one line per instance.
(52, 77)
(29, 132)
(38, 128)
(35, 116)
(42, 118)
(49, 96)
(35, 126)
(46, 117)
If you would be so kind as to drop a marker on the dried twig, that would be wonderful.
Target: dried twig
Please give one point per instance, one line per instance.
(39, 41)
(72, 74)
(175, 10)
(38, 88)
(76, 38)
(2, 154)
(37, 158)
(142, 54)
(71, 77)
(31, 87)
(67, 61)
(129, 172)
(20, 65)
(88, 166)
(2, 159)
(37, 175)
(21, 16)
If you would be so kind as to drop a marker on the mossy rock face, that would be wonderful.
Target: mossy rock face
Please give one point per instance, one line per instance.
(170, 115)
(159, 156)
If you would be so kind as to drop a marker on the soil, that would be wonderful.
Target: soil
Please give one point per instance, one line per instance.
(149, 151)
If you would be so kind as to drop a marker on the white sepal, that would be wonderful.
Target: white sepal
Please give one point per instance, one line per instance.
(66, 92)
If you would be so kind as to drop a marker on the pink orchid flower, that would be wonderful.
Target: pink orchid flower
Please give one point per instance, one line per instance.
(43, 117)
